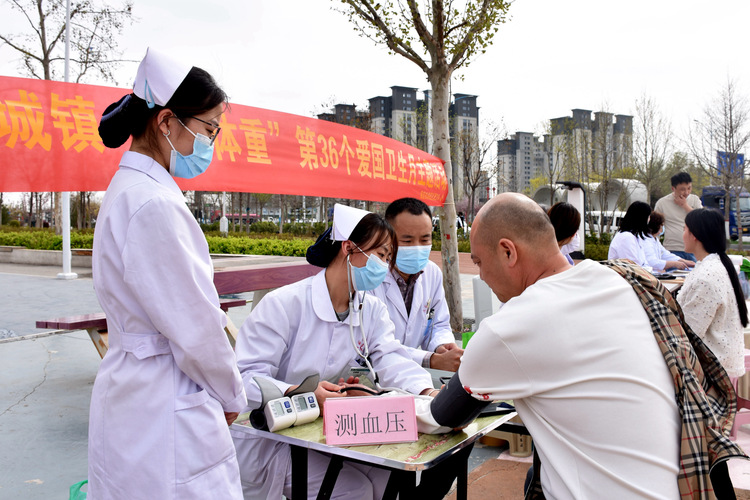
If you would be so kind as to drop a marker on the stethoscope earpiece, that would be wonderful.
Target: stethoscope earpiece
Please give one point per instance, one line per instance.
(365, 355)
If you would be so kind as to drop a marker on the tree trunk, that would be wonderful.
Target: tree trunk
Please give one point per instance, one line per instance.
(471, 205)
(241, 209)
(231, 212)
(57, 205)
(324, 211)
(81, 210)
(40, 209)
(440, 82)
(281, 213)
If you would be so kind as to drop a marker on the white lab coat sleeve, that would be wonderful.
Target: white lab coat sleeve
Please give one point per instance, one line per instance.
(666, 254)
(442, 332)
(626, 245)
(170, 273)
(261, 343)
(417, 355)
(652, 249)
(389, 357)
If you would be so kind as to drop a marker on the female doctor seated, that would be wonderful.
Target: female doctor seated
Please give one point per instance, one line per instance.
(324, 325)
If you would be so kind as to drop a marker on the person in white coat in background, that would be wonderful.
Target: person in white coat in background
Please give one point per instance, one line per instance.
(657, 256)
(168, 387)
(311, 327)
(413, 290)
(629, 241)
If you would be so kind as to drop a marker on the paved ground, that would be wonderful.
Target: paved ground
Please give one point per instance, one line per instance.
(44, 404)
(47, 378)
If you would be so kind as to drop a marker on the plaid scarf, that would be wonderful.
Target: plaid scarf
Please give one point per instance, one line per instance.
(703, 391)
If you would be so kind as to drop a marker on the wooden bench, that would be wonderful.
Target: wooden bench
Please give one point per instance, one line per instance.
(96, 324)
(257, 279)
(260, 280)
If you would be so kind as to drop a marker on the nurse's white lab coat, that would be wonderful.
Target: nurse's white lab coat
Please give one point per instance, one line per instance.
(157, 427)
(292, 333)
(412, 330)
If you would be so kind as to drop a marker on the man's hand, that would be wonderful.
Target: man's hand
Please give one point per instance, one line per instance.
(681, 200)
(688, 263)
(447, 357)
(353, 392)
(231, 417)
(327, 390)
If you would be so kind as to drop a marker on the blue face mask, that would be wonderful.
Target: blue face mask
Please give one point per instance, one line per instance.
(371, 275)
(187, 167)
(412, 259)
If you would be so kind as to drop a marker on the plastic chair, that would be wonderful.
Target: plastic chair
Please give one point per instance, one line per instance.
(743, 405)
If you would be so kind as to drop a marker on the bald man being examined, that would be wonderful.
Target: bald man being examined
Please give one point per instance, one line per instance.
(573, 348)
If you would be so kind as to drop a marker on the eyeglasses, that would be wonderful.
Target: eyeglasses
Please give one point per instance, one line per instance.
(213, 134)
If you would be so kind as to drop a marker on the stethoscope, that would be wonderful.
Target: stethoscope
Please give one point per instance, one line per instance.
(362, 353)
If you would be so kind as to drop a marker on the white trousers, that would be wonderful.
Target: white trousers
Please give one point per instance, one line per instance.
(355, 481)
(268, 474)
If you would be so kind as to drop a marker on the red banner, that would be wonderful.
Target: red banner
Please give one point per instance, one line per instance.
(49, 142)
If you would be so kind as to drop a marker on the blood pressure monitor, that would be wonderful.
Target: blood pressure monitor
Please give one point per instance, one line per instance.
(285, 412)
(306, 407)
(279, 414)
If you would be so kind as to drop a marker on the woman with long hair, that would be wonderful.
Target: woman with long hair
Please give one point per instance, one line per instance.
(169, 386)
(324, 325)
(711, 297)
(628, 243)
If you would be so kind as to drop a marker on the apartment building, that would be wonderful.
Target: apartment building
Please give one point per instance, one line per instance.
(521, 158)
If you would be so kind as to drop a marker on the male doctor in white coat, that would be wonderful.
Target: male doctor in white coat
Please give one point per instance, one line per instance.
(413, 290)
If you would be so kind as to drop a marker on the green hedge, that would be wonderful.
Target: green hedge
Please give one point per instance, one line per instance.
(286, 244)
(464, 245)
(43, 239)
(259, 246)
(46, 239)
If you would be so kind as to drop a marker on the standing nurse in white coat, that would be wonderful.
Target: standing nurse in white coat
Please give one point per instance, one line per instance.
(413, 290)
(310, 327)
(168, 387)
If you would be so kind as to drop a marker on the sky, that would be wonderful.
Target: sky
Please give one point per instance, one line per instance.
(550, 57)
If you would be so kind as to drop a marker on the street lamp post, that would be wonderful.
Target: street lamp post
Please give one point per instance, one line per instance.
(67, 273)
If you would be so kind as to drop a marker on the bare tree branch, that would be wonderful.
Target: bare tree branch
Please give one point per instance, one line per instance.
(401, 33)
(393, 42)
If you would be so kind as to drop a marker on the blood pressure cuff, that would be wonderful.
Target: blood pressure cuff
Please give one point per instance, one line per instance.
(454, 407)
(269, 392)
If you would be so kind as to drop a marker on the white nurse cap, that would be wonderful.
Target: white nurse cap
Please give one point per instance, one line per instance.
(345, 219)
(158, 78)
